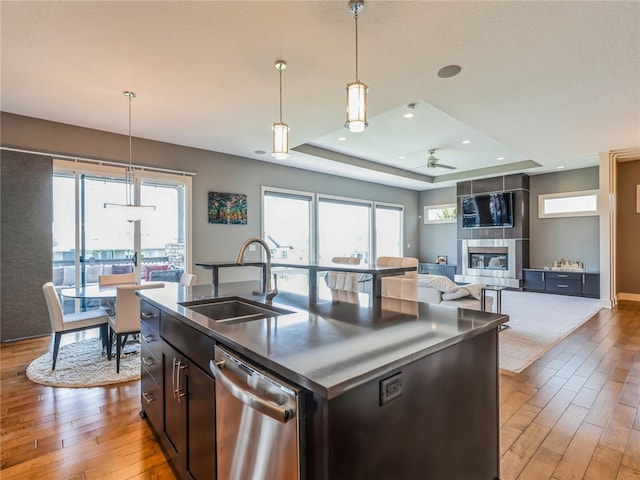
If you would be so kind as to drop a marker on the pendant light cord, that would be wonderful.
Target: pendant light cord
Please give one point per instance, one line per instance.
(280, 69)
(129, 176)
(356, 18)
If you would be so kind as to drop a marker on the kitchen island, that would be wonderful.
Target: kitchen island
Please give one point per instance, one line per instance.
(407, 391)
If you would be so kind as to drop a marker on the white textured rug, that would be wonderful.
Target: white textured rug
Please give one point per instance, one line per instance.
(81, 364)
(538, 321)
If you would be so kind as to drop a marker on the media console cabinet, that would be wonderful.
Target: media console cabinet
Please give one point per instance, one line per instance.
(580, 284)
(438, 269)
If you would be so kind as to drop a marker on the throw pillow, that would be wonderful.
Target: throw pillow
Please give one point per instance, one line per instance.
(439, 282)
(93, 272)
(459, 293)
(69, 276)
(58, 275)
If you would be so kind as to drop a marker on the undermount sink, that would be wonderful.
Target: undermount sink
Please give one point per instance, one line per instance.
(233, 310)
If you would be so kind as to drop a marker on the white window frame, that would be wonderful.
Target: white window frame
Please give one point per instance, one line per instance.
(441, 206)
(568, 213)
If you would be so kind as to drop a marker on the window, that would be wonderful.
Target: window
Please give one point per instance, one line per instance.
(446, 213)
(344, 229)
(302, 227)
(569, 204)
(286, 224)
(389, 225)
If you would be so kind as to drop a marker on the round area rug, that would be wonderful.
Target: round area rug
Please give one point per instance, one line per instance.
(82, 364)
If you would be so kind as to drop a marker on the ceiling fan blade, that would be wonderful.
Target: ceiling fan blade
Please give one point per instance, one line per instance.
(442, 165)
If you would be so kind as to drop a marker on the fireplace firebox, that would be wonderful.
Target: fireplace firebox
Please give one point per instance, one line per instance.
(489, 258)
(492, 262)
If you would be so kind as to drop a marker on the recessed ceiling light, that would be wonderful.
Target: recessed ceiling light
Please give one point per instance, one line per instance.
(449, 71)
(409, 113)
(500, 158)
(259, 152)
(342, 139)
(402, 157)
(560, 167)
(466, 142)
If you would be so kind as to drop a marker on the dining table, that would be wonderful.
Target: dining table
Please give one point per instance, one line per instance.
(90, 292)
(95, 291)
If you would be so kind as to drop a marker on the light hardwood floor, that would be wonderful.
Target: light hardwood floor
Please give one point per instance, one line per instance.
(573, 414)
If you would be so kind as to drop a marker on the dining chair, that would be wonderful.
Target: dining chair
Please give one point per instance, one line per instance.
(400, 286)
(71, 322)
(116, 279)
(343, 285)
(188, 279)
(126, 319)
(113, 279)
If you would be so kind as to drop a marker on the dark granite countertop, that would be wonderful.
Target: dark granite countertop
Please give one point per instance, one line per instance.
(329, 348)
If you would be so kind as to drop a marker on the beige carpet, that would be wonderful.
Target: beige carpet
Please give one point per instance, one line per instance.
(538, 321)
(81, 364)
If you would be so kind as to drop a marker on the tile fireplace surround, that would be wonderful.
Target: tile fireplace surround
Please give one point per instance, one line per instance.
(492, 262)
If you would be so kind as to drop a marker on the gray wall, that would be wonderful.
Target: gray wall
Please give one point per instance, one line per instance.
(437, 239)
(627, 228)
(214, 172)
(575, 238)
(25, 244)
(550, 239)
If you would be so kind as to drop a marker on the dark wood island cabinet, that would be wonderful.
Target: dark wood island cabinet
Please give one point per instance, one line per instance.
(177, 393)
(399, 394)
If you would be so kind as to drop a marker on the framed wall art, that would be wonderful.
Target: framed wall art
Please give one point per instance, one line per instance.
(228, 208)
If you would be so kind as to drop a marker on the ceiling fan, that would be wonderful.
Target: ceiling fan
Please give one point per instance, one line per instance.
(434, 162)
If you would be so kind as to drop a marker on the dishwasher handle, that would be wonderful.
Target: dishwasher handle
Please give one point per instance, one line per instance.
(281, 413)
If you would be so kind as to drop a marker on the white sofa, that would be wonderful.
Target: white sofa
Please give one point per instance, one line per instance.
(443, 291)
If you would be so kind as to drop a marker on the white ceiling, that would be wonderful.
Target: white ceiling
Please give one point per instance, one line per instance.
(543, 84)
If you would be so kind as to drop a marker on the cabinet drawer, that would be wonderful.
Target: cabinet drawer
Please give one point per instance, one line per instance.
(430, 268)
(151, 400)
(151, 363)
(564, 286)
(197, 346)
(150, 315)
(563, 276)
(150, 339)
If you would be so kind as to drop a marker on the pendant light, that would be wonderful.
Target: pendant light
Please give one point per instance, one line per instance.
(356, 91)
(280, 129)
(129, 211)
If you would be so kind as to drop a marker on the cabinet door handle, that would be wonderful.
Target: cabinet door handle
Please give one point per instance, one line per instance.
(563, 276)
(584, 279)
(560, 285)
(149, 338)
(173, 377)
(146, 315)
(179, 391)
(148, 361)
(543, 276)
(147, 397)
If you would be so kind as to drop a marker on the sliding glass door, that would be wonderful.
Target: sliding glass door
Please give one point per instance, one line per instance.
(88, 240)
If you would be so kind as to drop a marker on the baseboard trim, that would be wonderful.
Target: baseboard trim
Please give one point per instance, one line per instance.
(634, 297)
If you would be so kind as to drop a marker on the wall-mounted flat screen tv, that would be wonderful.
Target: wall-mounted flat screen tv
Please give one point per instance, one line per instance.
(488, 210)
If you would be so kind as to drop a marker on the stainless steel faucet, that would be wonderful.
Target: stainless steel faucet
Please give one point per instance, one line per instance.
(270, 292)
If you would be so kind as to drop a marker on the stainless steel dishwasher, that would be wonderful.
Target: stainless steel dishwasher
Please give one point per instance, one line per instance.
(257, 421)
